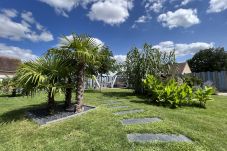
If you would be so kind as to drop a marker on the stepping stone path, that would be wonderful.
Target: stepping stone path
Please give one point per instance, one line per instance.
(140, 121)
(119, 107)
(146, 137)
(128, 112)
(113, 102)
(157, 137)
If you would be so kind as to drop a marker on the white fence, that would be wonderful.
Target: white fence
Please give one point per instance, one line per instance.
(218, 78)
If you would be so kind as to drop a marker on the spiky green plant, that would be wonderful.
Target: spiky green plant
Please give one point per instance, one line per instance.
(85, 51)
(41, 74)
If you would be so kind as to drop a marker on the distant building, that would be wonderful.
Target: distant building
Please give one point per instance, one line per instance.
(8, 67)
(183, 68)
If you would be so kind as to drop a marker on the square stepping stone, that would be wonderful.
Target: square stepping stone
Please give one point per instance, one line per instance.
(118, 107)
(112, 102)
(128, 112)
(140, 121)
(157, 137)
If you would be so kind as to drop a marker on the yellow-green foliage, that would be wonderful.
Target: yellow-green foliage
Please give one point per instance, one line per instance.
(174, 94)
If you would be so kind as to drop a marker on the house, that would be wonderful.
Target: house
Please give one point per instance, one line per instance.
(8, 67)
(183, 68)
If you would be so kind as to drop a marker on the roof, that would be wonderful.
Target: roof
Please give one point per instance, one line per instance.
(180, 67)
(8, 65)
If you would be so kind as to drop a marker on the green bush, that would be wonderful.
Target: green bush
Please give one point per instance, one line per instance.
(192, 80)
(203, 95)
(174, 94)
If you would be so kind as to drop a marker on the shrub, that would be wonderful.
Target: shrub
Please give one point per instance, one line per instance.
(174, 94)
(153, 87)
(204, 95)
(192, 80)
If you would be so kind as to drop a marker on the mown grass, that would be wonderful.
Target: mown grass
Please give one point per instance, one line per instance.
(100, 130)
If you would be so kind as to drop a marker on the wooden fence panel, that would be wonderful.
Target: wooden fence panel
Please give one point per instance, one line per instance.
(218, 78)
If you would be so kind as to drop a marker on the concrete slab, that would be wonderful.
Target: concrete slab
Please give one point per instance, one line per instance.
(157, 137)
(118, 107)
(140, 121)
(128, 112)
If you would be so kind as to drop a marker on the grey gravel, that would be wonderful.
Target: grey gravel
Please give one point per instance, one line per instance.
(140, 120)
(128, 112)
(157, 137)
(41, 116)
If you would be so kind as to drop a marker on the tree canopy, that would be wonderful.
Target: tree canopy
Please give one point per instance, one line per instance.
(212, 59)
(147, 61)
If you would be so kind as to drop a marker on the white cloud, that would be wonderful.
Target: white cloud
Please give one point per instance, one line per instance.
(63, 41)
(61, 5)
(154, 5)
(9, 12)
(183, 49)
(120, 58)
(143, 19)
(185, 2)
(217, 6)
(180, 18)
(16, 52)
(113, 12)
(15, 30)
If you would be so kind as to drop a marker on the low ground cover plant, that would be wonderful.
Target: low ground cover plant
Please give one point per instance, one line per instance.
(173, 94)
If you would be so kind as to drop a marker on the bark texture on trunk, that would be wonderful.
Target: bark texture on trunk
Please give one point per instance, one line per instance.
(68, 96)
(50, 102)
(80, 88)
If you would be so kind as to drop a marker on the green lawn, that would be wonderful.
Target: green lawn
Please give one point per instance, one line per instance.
(101, 130)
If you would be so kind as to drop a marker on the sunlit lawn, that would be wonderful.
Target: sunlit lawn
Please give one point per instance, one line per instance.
(101, 130)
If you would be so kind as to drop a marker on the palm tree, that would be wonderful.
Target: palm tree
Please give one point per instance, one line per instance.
(67, 73)
(85, 53)
(41, 74)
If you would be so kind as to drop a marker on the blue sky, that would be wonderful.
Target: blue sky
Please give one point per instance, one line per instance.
(30, 27)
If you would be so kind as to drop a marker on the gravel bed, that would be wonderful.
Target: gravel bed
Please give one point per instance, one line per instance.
(41, 116)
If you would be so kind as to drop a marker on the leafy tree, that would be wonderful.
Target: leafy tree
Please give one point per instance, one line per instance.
(8, 86)
(212, 59)
(133, 69)
(106, 62)
(147, 61)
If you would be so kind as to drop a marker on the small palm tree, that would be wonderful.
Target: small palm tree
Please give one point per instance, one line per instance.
(66, 74)
(41, 74)
(85, 53)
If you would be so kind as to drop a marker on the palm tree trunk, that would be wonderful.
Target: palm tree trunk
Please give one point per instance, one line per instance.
(50, 102)
(68, 95)
(80, 88)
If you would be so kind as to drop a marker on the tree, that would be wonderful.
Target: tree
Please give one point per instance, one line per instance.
(85, 52)
(133, 68)
(149, 60)
(106, 61)
(41, 74)
(67, 74)
(212, 59)
(8, 86)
